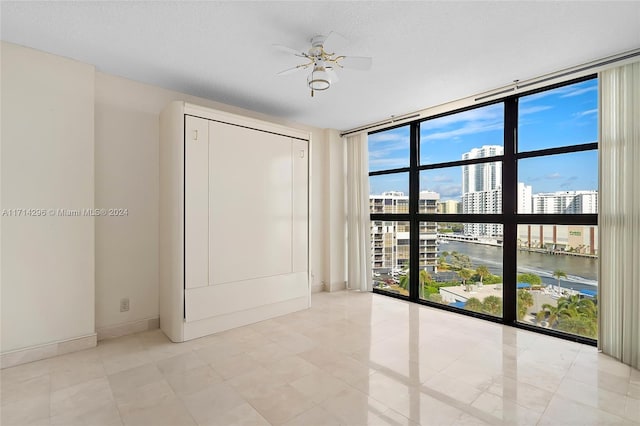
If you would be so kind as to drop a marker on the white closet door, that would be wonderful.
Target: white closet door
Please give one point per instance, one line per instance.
(196, 232)
(251, 204)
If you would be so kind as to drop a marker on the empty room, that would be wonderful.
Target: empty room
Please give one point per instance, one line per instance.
(319, 213)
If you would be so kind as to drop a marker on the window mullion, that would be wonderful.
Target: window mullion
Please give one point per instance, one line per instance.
(509, 209)
(414, 225)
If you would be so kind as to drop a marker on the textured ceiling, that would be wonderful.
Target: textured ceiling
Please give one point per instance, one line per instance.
(424, 53)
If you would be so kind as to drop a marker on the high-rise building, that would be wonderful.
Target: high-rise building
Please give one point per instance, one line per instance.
(484, 176)
(390, 239)
(565, 202)
(524, 199)
(482, 189)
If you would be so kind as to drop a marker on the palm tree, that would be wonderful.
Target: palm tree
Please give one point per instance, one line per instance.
(532, 279)
(548, 312)
(465, 274)
(473, 304)
(572, 307)
(423, 278)
(578, 307)
(492, 305)
(404, 281)
(482, 271)
(525, 301)
(559, 274)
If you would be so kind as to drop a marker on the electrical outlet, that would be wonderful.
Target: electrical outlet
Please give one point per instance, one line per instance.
(124, 304)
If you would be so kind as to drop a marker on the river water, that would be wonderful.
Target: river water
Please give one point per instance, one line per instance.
(582, 272)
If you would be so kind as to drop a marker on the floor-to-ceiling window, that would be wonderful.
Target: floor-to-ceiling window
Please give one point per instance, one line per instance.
(495, 209)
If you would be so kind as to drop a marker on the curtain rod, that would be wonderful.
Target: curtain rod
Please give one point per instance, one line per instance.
(511, 87)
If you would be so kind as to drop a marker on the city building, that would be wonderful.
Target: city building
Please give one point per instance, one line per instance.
(484, 176)
(449, 207)
(559, 238)
(524, 198)
(565, 202)
(390, 239)
(482, 189)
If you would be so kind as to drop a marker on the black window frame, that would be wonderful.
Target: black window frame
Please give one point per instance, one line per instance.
(509, 218)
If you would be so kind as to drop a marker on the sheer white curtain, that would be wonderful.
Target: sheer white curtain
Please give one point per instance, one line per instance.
(619, 293)
(358, 228)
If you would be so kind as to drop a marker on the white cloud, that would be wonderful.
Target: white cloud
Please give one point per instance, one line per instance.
(579, 91)
(471, 128)
(555, 175)
(388, 163)
(449, 191)
(587, 112)
(490, 113)
(464, 123)
(441, 178)
(540, 95)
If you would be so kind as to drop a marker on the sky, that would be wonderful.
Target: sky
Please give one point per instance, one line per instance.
(560, 117)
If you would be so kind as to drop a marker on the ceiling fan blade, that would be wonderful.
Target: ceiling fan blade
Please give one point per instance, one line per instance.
(294, 69)
(355, 62)
(334, 42)
(291, 50)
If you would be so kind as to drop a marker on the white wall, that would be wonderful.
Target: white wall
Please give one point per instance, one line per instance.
(47, 264)
(49, 288)
(127, 176)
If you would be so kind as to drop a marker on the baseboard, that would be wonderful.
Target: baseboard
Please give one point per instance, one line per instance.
(336, 286)
(49, 350)
(119, 330)
(319, 288)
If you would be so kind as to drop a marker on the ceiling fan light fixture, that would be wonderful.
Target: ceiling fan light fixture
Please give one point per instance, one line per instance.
(319, 78)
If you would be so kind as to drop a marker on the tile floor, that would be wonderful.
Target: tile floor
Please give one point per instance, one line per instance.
(352, 359)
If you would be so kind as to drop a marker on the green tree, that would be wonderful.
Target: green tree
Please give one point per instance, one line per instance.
(404, 281)
(423, 278)
(465, 274)
(576, 307)
(482, 271)
(581, 326)
(532, 279)
(559, 274)
(493, 279)
(492, 305)
(457, 227)
(473, 304)
(459, 260)
(571, 314)
(525, 301)
(549, 313)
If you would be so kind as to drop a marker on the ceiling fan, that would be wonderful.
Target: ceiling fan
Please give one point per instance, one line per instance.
(322, 63)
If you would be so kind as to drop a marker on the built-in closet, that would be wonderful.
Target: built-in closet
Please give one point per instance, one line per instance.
(234, 220)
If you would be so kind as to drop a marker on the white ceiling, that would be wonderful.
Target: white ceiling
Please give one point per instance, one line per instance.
(424, 53)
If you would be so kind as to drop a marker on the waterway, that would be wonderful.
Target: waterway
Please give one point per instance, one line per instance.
(582, 272)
